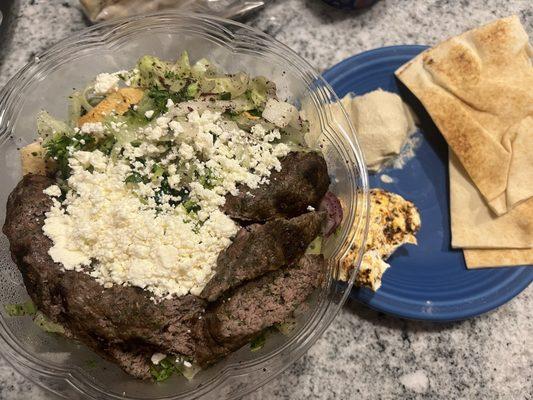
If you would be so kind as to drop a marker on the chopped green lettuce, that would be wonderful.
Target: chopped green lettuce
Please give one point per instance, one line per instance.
(236, 84)
(75, 108)
(21, 309)
(164, 370)
(49, 127)
(46, 325)
(287, 327)
(168, 366)
(258, 342)
(315, 247)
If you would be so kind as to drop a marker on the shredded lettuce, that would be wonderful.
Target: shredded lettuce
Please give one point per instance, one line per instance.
(49, 127)
(21, 309)
(167, 367)
(46, 325)
(189, 372)
(260, 90)
(75, 108)
(28, 308)
(287, 327)
(315, 247)
(258, 342)
(236, 85)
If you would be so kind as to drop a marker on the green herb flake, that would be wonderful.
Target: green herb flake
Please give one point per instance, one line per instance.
(135, 177)
(106, 145)
(225, 96)
(157, 171)
(191, 206)
(57, 148)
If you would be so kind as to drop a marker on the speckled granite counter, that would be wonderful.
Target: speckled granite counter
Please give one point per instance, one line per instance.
(363, 354)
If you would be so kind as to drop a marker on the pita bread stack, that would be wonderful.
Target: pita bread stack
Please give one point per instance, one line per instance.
(478, 89)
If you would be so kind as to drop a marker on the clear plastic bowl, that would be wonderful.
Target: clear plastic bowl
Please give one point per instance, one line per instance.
(71, 370)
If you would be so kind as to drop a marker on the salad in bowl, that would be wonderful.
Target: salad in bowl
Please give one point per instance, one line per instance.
(174, 217)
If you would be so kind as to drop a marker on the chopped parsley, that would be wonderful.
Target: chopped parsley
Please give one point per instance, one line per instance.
(225, 96)
(191, 206)
(60, 147)
(164, 370)
(135, 177)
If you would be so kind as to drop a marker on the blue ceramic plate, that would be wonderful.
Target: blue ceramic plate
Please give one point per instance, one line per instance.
(429, 281)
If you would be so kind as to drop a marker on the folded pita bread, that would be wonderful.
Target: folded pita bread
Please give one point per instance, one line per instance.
(498, 257)
(477, 87)
(474, 225)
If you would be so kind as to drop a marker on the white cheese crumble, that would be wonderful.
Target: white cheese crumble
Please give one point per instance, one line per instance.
(106, 83)
(131, 244)
(149, 114)
(157, 358)
(280, 113)
(126, 231)
(92, 127)
(52, 191)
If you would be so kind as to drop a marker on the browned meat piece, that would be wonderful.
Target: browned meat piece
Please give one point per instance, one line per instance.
(26, 207)
(302, 182)
(259, 304)
(121, 323)
(126, 314)
(258, 249)
(125, 326)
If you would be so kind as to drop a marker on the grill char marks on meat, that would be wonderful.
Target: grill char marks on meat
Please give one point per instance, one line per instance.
(124, 325)
(247, 311)
(258, 249)
(127, 316)
(302, 182)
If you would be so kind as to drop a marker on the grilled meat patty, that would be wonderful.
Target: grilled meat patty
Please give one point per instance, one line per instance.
(265, 301)
(258, 249)
(124, 325)
(302, 182)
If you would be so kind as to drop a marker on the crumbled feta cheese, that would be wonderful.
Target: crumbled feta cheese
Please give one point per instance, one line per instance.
(149, 113)
(310, 208)
(186, 151)
(187, 364)
(106, 83)
(157, 358)
(92, 127)
(135, 234)
(131, 244)
(52, 191)
(280, 113)
(175, 126)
